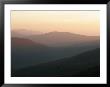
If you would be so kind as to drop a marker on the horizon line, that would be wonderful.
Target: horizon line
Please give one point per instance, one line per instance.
(42, 33)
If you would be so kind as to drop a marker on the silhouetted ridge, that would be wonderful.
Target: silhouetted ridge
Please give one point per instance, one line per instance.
(62, 33)
(57, 39)
(84, 64)
(24, 42)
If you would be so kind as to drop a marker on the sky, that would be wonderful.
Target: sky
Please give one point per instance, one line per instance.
(80, 22)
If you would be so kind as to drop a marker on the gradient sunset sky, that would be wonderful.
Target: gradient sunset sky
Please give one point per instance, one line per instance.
(80, 22)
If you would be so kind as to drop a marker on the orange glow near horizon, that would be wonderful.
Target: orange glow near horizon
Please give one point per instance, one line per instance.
(80, 22)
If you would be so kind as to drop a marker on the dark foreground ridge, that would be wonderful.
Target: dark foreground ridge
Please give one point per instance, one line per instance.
(86, 64)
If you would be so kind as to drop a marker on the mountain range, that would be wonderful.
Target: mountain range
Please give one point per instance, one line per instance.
(33, 50)
(62, 39)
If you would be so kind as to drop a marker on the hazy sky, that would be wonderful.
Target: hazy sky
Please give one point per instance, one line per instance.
(80, 22)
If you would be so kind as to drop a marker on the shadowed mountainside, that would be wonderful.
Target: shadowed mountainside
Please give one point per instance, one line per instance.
(22, 42)
(85, 64)
(25, 52)
(38, 49)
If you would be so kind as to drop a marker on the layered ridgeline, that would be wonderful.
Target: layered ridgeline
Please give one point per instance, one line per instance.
(35, 49)
(62, 39)
(84, 64)
(24, 33)
(55, 39)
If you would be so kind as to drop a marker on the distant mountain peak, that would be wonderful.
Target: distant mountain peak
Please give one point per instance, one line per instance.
(57, 38)
(63, 34)
(67, 33)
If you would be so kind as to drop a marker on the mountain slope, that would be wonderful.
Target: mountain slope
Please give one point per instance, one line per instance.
(49, 47)
(62, 39)
(24, 51)
(84, 64)
(22, 42)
